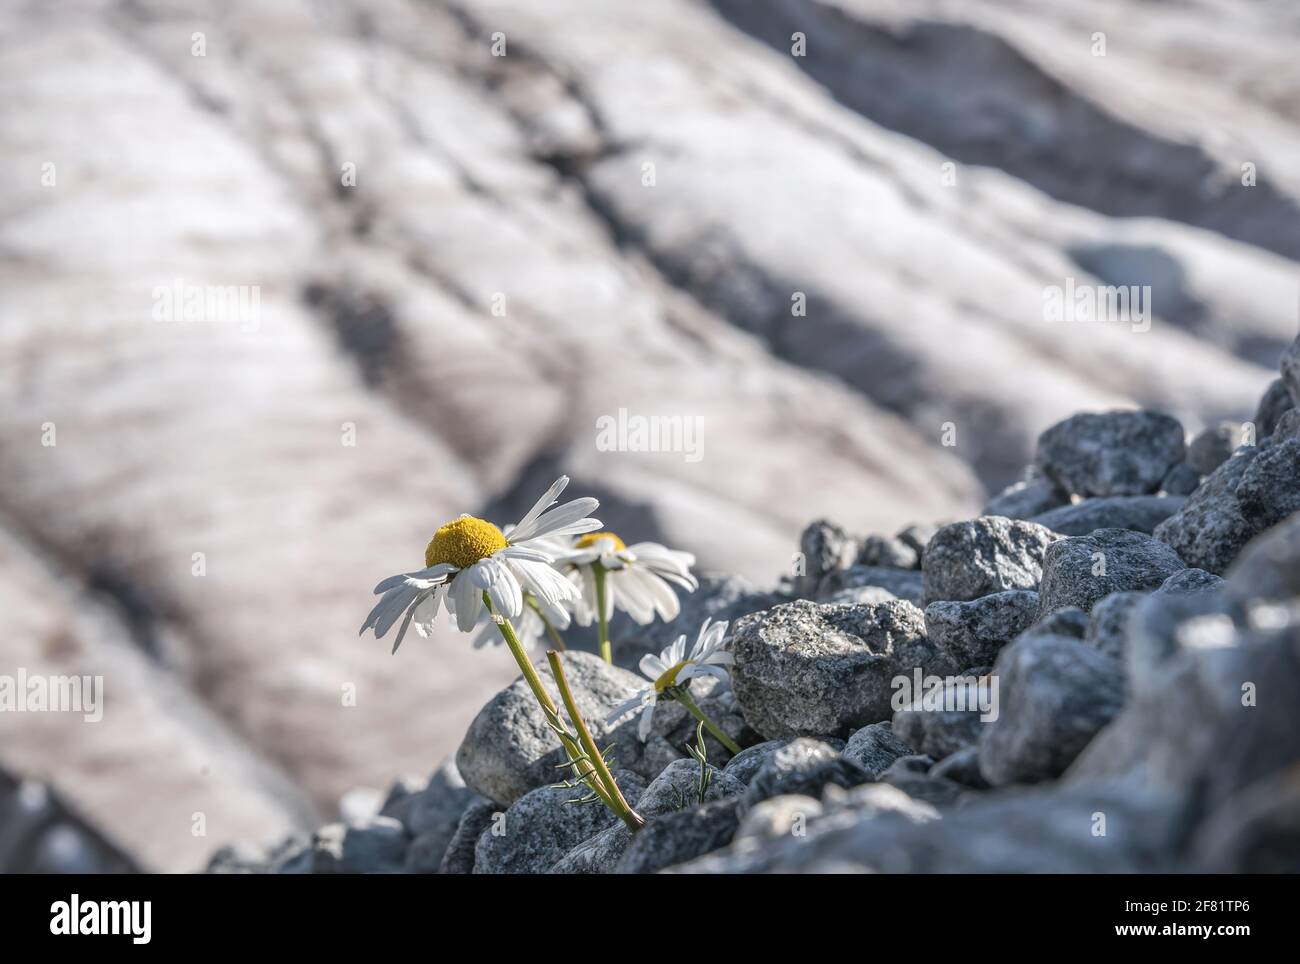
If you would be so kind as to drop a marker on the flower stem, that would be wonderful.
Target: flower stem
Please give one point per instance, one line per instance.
(552, 711)
(620, 806)
(693, 708)
(550, 630)
(602, 624)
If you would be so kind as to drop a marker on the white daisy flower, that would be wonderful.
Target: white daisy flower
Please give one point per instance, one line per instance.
(672, 668)
(470, 557)
(637, 579)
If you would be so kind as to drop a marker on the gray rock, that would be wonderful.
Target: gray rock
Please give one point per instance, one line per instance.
(860, 596)
(901, 583)
(748, 761)
(543, 825)
(826, 548)
(1288, 426)
(939, 732)
(375, 847)
(431, 813)
(1042, 831)
(1209, 530)
(1187, 610)
(778, 817)
(1212, 718)
(914, 776)
(1290, 367)
(974, 632)
(1080, 570)
(1108, 629)
(1182, 480)
(1112, 453)
(887, 552)
(509, 749)
(1191, 581)
(1269, 489)
(597, 855)
(1141, 513)
(807, 670)
(458, 857)
(874, 748)
(962, 768)
(1268, 569)
(1255, 831)
(1070, 621)
(1214, 446)
(918, 536)
(1027, 498)
(967, 560)
(1275, 403)
(1055, 694)
(804, 767)
(871, 800)
(675, 838)
(678, 787)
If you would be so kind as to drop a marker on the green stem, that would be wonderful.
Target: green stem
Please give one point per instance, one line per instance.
(629, 816)
(693, 708)
(602, 624)
(550, 630)
(544, 698)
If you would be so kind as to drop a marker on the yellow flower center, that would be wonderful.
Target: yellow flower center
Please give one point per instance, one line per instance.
(464, 542)
(669, 678)
(591, 538)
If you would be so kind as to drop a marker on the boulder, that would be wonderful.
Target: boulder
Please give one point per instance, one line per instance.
(1080, 570)
(1111, 453)
(967, 560)
(807, 670)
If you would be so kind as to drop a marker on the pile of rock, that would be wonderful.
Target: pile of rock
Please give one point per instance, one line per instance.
(1099, 674)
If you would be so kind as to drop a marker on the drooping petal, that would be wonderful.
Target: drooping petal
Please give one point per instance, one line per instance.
(427, 611)
(550, 587)
(633, 598)
(662, 596)
(467, 601)
(496, 579)
(647, 717)
(634, 702)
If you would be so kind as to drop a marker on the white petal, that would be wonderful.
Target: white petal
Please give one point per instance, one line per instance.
(549, 586)
(427, 611)
(643, 728)
(406, 624)
(496, 579)
(522, 529)
(662, 595)
(634, 702)
(466, 599)
(633, 599)
(652, 667)
(568, 519)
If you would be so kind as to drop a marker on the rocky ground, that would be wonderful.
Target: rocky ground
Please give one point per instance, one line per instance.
(919, 177)
(1146, 661)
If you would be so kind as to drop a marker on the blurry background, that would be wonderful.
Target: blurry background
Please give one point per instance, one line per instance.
(463, 260)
